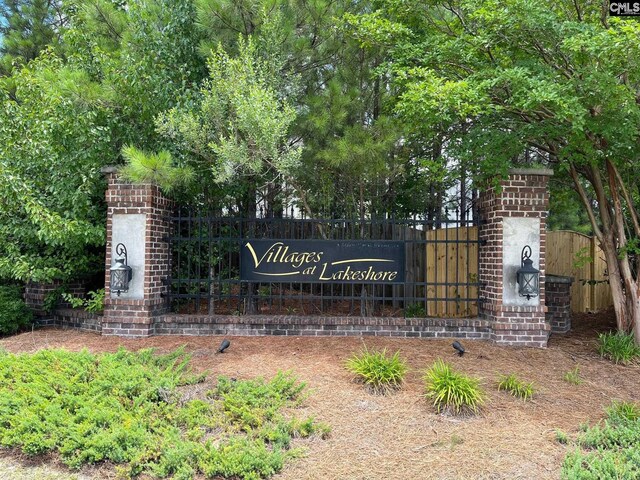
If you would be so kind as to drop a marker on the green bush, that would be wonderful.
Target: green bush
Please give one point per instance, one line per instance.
(94, 302)
(415, 310)
(126, 408)
(516, 387)
(619, 347)
(609, 449)
(380, 372)
(451, 391)
(14, 313)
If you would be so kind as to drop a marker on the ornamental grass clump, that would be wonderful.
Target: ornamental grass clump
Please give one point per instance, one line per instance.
(380, 372)
(619, 347)
(573, 376)
(516, 387)
(452, 392)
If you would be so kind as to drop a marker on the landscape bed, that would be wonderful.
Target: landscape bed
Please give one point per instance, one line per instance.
(399, 435)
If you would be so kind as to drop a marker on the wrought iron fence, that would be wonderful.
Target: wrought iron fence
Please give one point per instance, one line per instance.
(441, 266)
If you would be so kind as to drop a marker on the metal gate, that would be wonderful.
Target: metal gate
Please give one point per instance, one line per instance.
(440, 279)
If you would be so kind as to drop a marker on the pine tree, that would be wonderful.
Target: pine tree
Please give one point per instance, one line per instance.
(28, 27)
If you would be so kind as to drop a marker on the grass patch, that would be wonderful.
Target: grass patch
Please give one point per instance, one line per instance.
(380, 372)
(126, 408)
(573, 376)
(451, 391)
(516, 387)
(610, 449)
(618, 347)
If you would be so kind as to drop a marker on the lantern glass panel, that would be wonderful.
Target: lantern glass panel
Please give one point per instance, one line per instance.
(119, 280)
(529, 284)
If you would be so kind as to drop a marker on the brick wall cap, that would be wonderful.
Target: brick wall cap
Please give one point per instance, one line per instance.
(109, 169)
(550, 278)
(531, 171)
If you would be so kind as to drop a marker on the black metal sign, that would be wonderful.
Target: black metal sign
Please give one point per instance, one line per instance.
(331, 261)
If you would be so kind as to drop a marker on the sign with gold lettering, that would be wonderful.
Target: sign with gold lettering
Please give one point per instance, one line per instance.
(331, 261)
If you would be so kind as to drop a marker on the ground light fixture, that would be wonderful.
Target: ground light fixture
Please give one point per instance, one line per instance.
(121, 273)
(527, 277)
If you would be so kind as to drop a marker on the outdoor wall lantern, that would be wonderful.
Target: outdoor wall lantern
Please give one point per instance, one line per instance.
(121, 273)
(527, 276)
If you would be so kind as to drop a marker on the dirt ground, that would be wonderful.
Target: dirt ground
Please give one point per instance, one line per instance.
(399, 436)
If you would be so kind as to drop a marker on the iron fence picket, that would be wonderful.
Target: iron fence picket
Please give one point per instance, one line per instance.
(206, 254)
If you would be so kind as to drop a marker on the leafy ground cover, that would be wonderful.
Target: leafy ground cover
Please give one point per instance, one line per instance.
(401, 436)
(126, 408)
(609, 449)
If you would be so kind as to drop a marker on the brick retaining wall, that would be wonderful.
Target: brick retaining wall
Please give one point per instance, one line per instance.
(74, 318)
(322, 326)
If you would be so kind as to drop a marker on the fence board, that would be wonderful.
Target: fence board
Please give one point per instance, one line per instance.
(460, 262)
(565, 249)
(451, 262)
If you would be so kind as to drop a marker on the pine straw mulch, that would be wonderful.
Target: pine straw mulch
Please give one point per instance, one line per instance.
(399, 436)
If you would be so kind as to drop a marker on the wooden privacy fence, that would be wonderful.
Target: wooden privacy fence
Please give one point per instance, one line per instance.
(568, 253)
(579, 256)
(452, 255)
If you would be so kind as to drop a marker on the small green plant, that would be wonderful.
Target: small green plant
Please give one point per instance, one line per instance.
(516, 387)
(562, 437)
(14, 313)
(451, 391)
(94, 302)
(415, 310)
(619, 347)
(380, 372)
(623, 410)
(573, 376)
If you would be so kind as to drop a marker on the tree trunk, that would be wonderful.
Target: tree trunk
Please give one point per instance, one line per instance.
(611, 233)
(620, 303)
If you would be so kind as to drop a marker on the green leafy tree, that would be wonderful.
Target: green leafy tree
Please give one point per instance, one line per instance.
(51, 149)
(557, 80)
(64, 117)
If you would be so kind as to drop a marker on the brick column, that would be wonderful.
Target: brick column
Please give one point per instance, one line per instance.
(514, 215)
(558, 301)
(139, 217)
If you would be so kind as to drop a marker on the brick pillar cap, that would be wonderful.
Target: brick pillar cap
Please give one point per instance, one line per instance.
(109, 169)
(531, 171)
(550, 278)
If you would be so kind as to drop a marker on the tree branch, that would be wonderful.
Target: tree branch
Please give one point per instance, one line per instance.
(585, 201)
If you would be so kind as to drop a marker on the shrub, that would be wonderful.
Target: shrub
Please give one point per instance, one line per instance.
(573, 376)
(451, 391)
(516, 387)
(126, 408)
(618, 347)
(14, 313)
(94, 302)
(415, 310)
(610, 449)
(378, 371)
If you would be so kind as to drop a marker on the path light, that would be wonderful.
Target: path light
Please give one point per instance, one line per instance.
(121, 273)
(527, 277)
